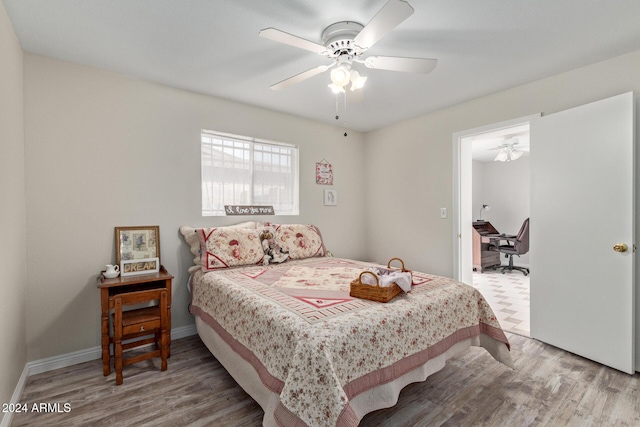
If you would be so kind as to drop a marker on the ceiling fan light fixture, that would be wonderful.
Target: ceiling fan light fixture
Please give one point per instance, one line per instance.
(507, 154)
(357, 81)
(502, 156)
(340, 76)
(336, 89)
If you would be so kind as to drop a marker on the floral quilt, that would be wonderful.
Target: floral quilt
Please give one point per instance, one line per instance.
(317, 347)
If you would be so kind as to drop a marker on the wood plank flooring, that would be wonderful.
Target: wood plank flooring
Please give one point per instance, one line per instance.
(549, 387)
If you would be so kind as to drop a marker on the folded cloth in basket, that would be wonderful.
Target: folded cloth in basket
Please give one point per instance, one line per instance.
(387, 277)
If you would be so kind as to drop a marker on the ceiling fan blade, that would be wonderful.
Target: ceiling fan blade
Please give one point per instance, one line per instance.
(513, 146)
(409, 65)
(300, 77)
(389, 17)
(286, 38)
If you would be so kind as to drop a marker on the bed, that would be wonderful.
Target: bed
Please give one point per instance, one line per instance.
(307, 352)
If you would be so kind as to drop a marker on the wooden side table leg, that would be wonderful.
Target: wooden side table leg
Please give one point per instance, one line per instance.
(117, 340)
(169, 331)
(165, 330)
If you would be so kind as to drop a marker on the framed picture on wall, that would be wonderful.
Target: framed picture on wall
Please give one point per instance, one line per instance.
(330, 197)
(135, 243)
(324, 173)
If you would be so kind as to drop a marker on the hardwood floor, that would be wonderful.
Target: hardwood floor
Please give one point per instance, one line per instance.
(549, 387)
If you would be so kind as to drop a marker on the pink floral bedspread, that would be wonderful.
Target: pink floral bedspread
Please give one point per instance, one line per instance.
(317, 347)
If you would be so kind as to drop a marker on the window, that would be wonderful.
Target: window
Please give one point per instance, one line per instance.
(238, 170)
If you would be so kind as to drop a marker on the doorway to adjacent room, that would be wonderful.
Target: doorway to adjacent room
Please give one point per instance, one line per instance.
(493, 197)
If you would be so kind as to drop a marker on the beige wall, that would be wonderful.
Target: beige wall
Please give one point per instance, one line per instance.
(105, 150)
(13, 250)
(417, 180)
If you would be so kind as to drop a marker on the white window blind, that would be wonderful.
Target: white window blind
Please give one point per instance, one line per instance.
(238, 170)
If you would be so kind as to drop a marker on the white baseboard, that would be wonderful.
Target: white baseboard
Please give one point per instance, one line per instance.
(81, 356)
(22, 381)
(69, 359)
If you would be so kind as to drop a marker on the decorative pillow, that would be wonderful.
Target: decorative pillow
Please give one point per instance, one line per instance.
(301, 241)
(229, 247)
(190, 235)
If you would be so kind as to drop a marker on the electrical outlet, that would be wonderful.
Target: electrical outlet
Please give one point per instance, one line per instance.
(443, 213)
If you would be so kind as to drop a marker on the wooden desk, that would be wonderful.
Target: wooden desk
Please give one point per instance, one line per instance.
(119, 285)
(481, 238)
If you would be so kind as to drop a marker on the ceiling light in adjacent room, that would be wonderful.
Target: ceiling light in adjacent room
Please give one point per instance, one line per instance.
(508, 152)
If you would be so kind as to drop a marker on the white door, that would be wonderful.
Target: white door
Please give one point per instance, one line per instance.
(582, 204)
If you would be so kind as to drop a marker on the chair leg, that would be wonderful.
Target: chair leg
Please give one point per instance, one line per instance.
(509, 266)
(164, 349)
(118, 362)
(512, 267)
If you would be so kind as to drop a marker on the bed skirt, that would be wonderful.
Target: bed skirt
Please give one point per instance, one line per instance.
(379, 397)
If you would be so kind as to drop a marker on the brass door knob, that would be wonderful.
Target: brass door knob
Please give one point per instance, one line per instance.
(620, 247)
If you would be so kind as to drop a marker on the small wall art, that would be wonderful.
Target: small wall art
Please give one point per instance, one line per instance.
(330, 197)
(324, 173)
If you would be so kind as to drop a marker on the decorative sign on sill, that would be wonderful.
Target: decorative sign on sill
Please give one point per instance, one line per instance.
(248, 210)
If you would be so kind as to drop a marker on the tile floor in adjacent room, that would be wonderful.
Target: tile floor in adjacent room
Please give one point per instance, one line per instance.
(508, 296)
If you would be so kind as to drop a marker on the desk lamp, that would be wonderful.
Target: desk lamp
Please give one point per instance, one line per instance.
(484, 208)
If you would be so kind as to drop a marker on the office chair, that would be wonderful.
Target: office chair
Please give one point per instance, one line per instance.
(516, 245)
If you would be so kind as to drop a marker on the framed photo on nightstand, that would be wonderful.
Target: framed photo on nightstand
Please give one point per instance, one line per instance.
(137, 243)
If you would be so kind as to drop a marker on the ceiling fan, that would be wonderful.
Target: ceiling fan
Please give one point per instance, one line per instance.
(509, 150)
(346, 42)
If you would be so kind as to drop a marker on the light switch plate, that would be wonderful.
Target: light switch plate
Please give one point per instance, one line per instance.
(443, 213)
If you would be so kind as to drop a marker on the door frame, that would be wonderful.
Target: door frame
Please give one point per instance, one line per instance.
(462, 194)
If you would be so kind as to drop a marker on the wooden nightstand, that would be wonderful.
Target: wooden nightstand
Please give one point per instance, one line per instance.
(109, 288)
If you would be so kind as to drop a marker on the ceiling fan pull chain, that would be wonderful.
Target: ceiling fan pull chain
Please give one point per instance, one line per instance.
(345, 114)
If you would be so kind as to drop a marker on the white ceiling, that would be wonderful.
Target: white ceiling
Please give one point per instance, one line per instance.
(212, 47)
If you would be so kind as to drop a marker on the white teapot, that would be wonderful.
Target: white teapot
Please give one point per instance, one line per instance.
(112, 271)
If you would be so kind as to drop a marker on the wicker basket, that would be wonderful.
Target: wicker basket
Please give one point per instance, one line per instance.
(404, 270)
(371, 292)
